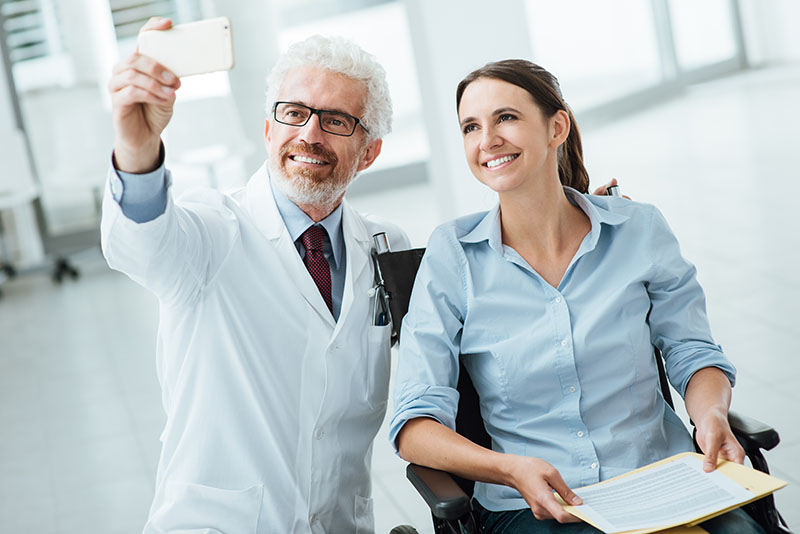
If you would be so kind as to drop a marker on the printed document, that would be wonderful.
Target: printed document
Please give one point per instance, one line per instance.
(666, 494)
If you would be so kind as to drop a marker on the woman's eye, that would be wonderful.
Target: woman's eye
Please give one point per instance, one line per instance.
(468, 128)
(506, 117)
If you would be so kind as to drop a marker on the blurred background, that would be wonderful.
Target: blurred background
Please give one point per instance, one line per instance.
(691, 105)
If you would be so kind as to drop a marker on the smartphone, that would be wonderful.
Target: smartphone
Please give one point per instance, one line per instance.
(193, 48)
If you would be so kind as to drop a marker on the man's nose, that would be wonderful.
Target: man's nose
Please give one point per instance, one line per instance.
(311, 132)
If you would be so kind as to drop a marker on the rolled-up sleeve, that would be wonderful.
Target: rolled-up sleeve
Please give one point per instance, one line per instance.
(678, 320)
(427, 369)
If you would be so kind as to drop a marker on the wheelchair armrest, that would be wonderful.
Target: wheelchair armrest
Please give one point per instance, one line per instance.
(753, 434)
(444, 497)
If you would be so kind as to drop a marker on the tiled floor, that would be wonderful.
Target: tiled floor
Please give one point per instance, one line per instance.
(80, 407)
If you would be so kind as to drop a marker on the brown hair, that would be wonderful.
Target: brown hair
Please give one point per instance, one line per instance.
(545, 91)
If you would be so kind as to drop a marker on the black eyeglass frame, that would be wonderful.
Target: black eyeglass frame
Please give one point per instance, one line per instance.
(317, 112)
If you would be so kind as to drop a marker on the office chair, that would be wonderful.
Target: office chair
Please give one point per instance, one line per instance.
(448, 496)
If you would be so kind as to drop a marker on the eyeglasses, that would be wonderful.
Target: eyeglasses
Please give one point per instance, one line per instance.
(334, 122)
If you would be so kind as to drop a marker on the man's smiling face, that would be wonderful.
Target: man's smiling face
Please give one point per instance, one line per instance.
(308, 165)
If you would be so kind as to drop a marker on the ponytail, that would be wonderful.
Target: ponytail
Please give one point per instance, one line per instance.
(571, 171)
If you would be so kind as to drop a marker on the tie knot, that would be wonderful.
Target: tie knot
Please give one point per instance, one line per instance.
(314, 238)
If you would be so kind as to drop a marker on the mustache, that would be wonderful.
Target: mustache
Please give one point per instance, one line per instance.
(311, 150)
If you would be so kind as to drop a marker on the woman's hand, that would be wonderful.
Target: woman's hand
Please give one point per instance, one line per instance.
(715, 438)
(536, 480)
(427, 442)
(708, 396)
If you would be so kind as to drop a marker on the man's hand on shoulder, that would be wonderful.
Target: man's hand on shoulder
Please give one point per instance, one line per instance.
(142, 98)
(603, 189)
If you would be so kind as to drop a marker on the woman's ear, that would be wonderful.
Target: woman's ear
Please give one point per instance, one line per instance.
(560, 126)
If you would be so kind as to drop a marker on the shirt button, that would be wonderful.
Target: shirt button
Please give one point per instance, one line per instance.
(594, 465)
(563, 342)
(313, 518)
(319, 433)
(558, 300)
(572, 389)
(580, 433)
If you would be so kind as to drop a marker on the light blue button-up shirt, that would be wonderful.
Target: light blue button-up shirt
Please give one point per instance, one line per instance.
(143, 197)
(564, 374)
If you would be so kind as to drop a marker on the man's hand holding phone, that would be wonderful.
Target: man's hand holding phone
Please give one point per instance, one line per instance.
(143, 85)
(142, 98)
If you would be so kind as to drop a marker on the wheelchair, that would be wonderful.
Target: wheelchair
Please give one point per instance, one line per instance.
(449, 496)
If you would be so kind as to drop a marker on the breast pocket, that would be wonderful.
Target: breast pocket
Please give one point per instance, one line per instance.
(378, 364)
(197, 509)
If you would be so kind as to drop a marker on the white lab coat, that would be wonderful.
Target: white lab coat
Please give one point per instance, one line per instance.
(271, 405)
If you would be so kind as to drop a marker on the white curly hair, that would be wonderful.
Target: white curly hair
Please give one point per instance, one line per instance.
(341, 56)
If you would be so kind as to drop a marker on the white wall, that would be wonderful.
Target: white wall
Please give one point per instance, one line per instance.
(451, 39)
(771, 31)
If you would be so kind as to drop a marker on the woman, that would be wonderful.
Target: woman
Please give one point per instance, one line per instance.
(555, 299)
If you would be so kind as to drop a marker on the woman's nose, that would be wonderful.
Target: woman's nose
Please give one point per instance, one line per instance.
(490, 139)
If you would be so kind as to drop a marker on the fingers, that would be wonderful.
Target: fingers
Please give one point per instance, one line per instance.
(710, 459)
(602, 190)
(148, 66)
(731, 450)
(140, 79)
(135, 83)
(156, 23)
(546, 505)
(558, 484)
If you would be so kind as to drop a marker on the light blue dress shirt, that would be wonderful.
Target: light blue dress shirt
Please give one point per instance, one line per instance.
(143, 197)
(564, 374)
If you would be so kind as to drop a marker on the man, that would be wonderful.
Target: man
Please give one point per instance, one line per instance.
(274, 373)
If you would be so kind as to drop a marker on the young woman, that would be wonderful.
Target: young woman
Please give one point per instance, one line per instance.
(555, 299)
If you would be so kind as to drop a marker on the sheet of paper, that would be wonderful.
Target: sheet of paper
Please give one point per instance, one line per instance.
(668, 494)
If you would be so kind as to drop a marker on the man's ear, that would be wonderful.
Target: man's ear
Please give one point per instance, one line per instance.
(267, 138)
(370, 153)
(560, 124)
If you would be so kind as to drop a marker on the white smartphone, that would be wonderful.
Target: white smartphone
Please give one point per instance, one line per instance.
(193, 48)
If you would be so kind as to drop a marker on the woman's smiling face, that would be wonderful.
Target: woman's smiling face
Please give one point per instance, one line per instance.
(507, 140)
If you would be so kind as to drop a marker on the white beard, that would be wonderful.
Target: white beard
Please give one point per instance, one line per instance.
(303, 190)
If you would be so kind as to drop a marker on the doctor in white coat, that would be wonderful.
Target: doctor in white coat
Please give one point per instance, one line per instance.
(274, 376)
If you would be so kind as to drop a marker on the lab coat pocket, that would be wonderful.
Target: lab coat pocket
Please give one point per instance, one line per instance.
(379, 364)
(364, 519)
(197, 509)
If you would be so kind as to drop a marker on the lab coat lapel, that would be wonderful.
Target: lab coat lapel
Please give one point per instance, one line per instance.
(358, 246)
(262, 209)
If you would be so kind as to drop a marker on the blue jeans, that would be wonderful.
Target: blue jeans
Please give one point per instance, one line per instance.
(522, 522)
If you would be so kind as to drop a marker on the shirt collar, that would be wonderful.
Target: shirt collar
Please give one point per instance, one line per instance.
(297, 222)
(488, 229)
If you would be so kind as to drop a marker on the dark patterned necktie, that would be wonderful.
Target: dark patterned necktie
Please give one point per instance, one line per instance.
(313, 240)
